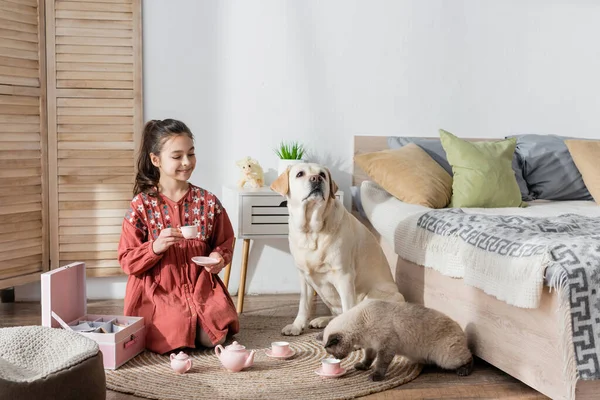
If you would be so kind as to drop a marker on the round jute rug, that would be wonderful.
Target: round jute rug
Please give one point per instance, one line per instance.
(150, 375)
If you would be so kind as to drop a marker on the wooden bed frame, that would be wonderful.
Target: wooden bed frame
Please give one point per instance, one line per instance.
(532, 345)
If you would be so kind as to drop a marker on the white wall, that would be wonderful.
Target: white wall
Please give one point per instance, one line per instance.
(246, 74)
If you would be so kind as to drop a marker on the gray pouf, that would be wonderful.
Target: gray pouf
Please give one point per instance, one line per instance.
(37, 362)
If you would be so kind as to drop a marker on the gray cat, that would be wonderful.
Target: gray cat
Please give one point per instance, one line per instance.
(384, 329)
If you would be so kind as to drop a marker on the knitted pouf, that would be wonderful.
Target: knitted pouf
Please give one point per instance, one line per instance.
(37, 362)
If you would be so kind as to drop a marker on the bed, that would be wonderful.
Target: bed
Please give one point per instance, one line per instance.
(533, 345)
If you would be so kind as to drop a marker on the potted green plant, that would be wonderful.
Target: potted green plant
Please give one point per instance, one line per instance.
(289, 153)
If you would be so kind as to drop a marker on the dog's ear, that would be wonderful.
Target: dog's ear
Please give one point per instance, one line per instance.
(281, 185)
(333, 188)
(333, 339)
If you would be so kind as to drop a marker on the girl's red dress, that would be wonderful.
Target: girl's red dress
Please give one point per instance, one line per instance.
(173, 294)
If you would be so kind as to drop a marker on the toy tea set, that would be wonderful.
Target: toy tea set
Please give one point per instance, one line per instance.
(236, 357)
(191, 232)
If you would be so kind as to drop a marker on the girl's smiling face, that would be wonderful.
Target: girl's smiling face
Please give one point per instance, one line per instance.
(176, 160)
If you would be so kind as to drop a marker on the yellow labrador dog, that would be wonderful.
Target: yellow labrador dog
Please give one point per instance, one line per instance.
(335, 254)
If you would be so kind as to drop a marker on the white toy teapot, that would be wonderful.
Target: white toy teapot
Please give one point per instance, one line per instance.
(181, 363)
(235, 357)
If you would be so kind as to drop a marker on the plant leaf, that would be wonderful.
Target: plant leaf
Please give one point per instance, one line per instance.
(290, 151)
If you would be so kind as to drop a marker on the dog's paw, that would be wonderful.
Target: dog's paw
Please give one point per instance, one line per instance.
(291, 330)
(361, 366)
(376, 376)
(319, 336)
(320, 322)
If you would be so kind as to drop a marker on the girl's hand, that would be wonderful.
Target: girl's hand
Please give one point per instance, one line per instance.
(165, 239)
(215, 268)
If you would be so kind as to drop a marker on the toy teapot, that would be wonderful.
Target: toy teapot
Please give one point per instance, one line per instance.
(235, 357)
(181, 363)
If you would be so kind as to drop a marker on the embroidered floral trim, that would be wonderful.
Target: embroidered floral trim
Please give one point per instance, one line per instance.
(198, 207)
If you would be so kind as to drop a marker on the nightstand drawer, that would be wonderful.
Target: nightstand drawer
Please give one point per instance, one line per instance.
(264, 215)
(270, 219)
(258, 213)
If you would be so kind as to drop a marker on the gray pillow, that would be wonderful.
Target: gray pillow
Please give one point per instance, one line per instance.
(549, 169)
(434, 148)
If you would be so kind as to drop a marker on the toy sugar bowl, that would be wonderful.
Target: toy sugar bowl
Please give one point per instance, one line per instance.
(181, 363)
(235, 357)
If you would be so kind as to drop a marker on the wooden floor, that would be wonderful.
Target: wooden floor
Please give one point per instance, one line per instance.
(486, 382)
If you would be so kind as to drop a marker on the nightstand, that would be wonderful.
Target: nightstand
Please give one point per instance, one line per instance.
(255, 214)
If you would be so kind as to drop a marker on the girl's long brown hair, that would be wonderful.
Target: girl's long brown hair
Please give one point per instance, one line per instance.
(156, 133)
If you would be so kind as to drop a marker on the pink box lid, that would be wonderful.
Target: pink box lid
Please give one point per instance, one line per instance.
(64, 293)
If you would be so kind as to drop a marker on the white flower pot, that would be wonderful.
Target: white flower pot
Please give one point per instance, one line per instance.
(283, 164)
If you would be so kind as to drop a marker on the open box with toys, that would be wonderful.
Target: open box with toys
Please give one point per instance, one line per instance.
(64, 304)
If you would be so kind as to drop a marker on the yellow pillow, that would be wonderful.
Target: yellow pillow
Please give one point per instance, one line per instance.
(409, 174)
(585, 154)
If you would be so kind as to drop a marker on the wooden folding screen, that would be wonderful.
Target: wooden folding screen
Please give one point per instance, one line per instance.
(23, 161)
(70, 120)
(94, 119)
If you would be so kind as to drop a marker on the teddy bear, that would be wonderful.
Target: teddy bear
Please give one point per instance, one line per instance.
(252, 173)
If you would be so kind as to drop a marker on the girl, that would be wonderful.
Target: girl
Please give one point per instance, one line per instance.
(180, 301)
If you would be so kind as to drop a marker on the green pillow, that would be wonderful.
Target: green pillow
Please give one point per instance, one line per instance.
(483, 174)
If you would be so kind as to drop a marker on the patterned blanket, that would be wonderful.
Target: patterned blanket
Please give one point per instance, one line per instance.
(509, 257)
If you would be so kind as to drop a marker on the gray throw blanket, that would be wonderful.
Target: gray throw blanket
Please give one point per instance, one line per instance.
(567, 247)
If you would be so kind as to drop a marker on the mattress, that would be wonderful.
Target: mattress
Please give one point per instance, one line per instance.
(385, 212)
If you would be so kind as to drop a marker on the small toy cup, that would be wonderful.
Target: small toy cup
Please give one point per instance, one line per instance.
(330, 366)
(280, 348)
(189, 231)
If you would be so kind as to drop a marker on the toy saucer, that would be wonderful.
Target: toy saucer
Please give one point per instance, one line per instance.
(323, 374)
(269, 353)
(205, 260)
